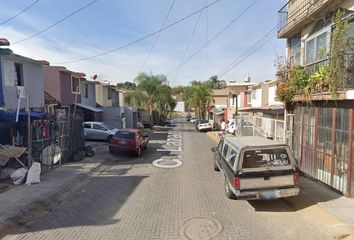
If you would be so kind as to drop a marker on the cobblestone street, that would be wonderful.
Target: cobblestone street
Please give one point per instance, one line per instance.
(133, 199)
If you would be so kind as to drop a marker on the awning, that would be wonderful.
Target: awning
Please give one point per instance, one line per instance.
(218, 111)
(93, 109)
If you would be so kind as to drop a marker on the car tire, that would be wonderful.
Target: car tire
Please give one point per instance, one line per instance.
(216, 167)
(228, 192)
(109, 138)
(138, 152)
(111, 151)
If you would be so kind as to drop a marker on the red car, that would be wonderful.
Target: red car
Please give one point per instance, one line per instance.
(128, 140)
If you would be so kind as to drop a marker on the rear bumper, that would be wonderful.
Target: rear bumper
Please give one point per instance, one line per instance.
(122, 148)
(268, 194)
(204, 129)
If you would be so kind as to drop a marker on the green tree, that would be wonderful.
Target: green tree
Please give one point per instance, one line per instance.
(199, 97)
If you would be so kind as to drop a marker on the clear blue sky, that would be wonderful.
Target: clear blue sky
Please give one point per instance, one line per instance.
(108, 24)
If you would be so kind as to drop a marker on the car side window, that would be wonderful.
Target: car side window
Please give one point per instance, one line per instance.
(98, 127)
(232, 157)
(224, 151)
(87, 125)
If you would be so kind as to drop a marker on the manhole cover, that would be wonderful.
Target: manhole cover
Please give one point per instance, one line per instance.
(167, 163)
(199, 228)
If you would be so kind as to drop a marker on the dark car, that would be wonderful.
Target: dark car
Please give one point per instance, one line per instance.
(146, 124)
(128, 140)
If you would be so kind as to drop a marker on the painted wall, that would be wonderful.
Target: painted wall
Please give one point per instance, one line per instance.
(91, 98)
(102, 96)
(52, 81)
(256, 98)
(33, 83)
(179, 106)
(67, 97)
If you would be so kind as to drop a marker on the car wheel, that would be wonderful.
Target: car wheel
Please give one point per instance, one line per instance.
(111, 151)
(228, 192)
(216, 167)
(109, 138)
(138, 152)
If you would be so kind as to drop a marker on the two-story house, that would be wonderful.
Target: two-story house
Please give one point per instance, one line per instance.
(20, 77)
(323, 105)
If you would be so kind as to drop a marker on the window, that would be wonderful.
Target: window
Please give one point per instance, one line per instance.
(224, 151)
(87, 125)
(125, 135)
(295, 51)
(86, 91)
(317, 45)
(266, 158)
(234, 100)
(99, 127)
(19, 74)
(232, 157)
(75, 84)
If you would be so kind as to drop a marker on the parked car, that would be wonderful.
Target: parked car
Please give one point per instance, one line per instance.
(98, 131)
(256, 168)
(128, 140)
(146, 124)
(204, 125)
(168, 121)
(188, 118)
(193, 120)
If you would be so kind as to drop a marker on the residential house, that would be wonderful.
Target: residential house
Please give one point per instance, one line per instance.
(88, 101)
(321, 123)
(107, 95)
(220, 100)
(20, 77)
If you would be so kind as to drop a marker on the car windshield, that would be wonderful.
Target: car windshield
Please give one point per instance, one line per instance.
(203, 121)
(125, 135)
(265, 158)
(107, 126)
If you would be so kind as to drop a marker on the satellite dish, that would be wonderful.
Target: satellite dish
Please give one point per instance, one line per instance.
(51, 155)
(94, 77)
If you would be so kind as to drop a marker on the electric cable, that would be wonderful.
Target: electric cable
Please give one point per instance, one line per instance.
(190, 40)
(22, 11)
(140, 39)
(56, 23)
(158, 36)
(215, 36)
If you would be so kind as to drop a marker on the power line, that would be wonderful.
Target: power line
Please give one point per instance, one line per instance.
(258, 45)
(249, 51)
(215, 36)
(56, 23)
(158, 35)
(190, 40)
(24, 10)
(142, 38)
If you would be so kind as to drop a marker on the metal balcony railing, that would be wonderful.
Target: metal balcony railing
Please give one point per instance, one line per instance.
(294, 11)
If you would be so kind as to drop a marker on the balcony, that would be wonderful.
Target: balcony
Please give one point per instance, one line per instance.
(296, 14)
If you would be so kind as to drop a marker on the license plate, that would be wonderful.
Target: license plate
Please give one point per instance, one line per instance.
(269, 194)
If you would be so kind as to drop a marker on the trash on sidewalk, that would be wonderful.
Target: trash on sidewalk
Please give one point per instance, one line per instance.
(89, 151)
(34, 174)
(19, 176)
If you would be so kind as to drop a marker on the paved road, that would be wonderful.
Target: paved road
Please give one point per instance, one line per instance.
(133, 199)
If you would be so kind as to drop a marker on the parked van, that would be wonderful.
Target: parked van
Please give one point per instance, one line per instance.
(256, 168)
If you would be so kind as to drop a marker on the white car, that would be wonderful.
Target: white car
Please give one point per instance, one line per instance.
(98, 131)
(193, 120)
(204, 125)
(231, 126)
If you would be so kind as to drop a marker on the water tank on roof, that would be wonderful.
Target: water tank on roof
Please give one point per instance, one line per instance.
(247, 79)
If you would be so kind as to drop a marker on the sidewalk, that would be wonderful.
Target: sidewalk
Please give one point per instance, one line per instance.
(314, 193)
(23, 199)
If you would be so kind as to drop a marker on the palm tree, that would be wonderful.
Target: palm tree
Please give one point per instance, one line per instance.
(199, 97)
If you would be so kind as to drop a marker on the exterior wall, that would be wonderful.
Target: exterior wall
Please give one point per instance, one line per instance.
(114, 97)
(67, 97)
(113, 116)
(179, 106)
(221, 101)
(32, 80)
(52, 81)
(121, 99)
(91, 98)
(256, 101)
(102, 96)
